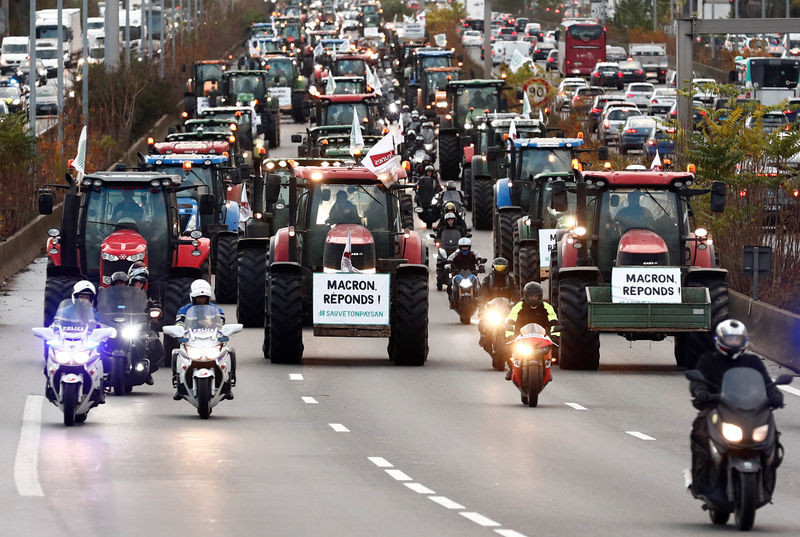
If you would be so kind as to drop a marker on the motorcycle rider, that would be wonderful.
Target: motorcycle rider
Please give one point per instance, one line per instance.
(451, 209)
(498, 282)
(730, 340)
(138, 276)
(531, 309)
(200, 295)
(119, 279)
(415, 123)
(462, 259)
(449, 223)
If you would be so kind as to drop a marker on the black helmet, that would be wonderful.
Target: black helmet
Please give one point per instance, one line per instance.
(138, 273)
(533, 294)
(429, 168)
(500, 265)
(119, 277)
(730, 338)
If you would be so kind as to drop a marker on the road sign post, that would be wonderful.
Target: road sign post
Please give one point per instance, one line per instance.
(756, 260)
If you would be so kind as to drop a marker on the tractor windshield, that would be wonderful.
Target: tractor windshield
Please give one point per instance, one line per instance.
(137, 208)
(366, 205)
(342, 113)
(623, 210)
(349, 67)
(478, 98)
(281, 73)
(437, 80)
(552, 219)
(209, 71)
(348, 87)
(252, 84)
(200, 176)
(435, 61)
(290, 30)
(544, 160)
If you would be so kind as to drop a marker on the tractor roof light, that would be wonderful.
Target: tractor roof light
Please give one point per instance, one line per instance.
(576, 165)
(701, 233)
(150, 141)
(607, 165)
(232, 139)
(691, 168)
(187, 165)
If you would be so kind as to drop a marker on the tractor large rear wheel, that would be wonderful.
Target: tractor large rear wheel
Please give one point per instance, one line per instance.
(580, 348)
(408, 343)
(225, 264)
(252, 271)
(298, 106)
(56, 289)
(482, 203)
(505, 235)
(528, 269)
(176, 295)
(449, 156)
(285, 328)
(467, 180)
(407, 210)
(690, 346)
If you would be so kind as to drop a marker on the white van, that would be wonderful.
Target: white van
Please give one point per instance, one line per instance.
(14, 49)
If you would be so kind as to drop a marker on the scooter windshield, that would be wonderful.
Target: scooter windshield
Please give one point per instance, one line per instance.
(78, 317)
(204, 317)
(743, 388)
(121, 304)
(450, 239)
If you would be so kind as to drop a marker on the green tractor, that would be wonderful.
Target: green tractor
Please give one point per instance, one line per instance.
(250, 88)
(287, 84)
(333, 115)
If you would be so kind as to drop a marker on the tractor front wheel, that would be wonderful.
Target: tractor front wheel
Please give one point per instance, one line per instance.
(285, 327)
(449, 156)
(580, 347)
(408, 342)
(252, 269)
(225, 267)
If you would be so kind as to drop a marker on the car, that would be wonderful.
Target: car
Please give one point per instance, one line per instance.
(550, 35)
(632, 71)
(639, 92)
(615, 54)
(13, 97)
(661, 101)
(635, 132)
(606, 74)
(698, 113)
(565, 89)
(793, 110)
(612, 121)
(507, 34)
(521, 23)
(770, 122)
(703, 92)
(532, 39)
(583, 96)
(472, 38)
(47, 101)
(534, 29)
(542, 50)
(661, 140)
(723, 106)
(599, 104)
(551, 62)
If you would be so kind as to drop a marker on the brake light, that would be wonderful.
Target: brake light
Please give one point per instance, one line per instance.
(606, 124)
(631, 131)
(575, 98)
(651, 142)
(670, 131)
(596, 110)
(597, 75)
(619, 74)
(639, 72)
(703, 112)
(630, 95)
(654, 101)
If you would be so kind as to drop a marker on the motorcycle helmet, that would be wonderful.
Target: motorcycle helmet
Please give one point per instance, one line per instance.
(84, 289)
(138, 274)
(500, 265)
(450, 219)
(200, 292)
(450, 207)
(430, 169)
(119, 278)
(411, 133)
(730, 338)
(414, 116)
(464, 245)
(451, 185)
(406, 108)
(533, 294)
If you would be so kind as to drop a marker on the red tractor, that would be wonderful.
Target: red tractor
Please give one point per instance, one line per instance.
(113, 219)
(346, 217)
(634, 264)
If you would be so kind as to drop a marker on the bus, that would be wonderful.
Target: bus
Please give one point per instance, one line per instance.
(768, 80)
(581, 44)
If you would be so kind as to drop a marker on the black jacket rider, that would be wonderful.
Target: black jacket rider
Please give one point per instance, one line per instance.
(496, 285)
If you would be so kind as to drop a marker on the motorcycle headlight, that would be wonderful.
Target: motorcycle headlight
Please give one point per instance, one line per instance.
(731, 432)
(130, 332)
(465, 284)
(523, 350)
(213, 353)
(71, 357)
(195, 353)
(136, 257)
(760, 433)
(109, 257)
(494, 318)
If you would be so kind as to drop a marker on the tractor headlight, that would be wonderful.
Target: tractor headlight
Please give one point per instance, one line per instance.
(109, 257)
(467, 125)
(760, 433)
(579, 231)
(732, 432)
(136, 257)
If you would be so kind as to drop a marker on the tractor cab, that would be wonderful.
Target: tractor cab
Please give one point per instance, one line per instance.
(248, 126)
(263, 44)
(431, 92)
(242, 88)
(424, 58)
(350, 64)
(346, 85)
(291, 30)
(205, 80)
(337, 110)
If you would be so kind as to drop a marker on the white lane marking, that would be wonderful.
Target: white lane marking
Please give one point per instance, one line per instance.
(380, 462)
(640, 436)
(398, 475)
(26, 463)
(310, 400)
(509, 533)
(339, 428)
(575, 406)
(479, 519)
(295, 376)
(419, 488)
(446, 502)
(789, 389)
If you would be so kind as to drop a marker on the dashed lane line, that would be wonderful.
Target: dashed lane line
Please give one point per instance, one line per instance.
(380, 462)
(640, 436)
(509, 533)
(789, 389)
(576, 406)
(479, 519)
(296, 376)
(398, 475)
(339, 428)
(26, 462)
(446, 502)
(309, 400)
(419, 488)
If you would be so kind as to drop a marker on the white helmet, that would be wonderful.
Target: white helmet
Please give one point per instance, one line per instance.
(200, 288)
(730, 338)
(83, 287)
(464, 241)
(449, 216)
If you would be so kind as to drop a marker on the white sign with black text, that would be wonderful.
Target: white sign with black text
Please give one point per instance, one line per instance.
(348, 298)
(283, 94)
(414, 30)
(646, 285)
(547, 245)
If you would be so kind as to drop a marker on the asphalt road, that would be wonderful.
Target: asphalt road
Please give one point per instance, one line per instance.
(348, 445)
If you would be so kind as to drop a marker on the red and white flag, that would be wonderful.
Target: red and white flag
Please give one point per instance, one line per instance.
(347, 263)
(512, 130)
(381, 160)
(245, 212)
(655, 166)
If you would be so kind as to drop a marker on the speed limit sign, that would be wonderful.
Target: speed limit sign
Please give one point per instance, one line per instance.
(537, 89)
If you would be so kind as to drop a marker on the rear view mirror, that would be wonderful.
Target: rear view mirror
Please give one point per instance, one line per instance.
(559, 201)
(272, 188)
(44, 333)
(297, 138)
(230, 329)
(245, 171)
(783, 380)
(207, 204)
(717, 197)
(101, 334)
(45, 203)
(602, 152)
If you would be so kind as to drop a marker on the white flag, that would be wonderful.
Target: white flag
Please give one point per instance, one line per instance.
(440, 39)
(655, 166)
(245, 212)
(330, 87)
(512, 130)
(517, 61)
(318, 50)
(372, 81)
(347, 263)
(526, 105)
(79, 162)
(356, 139)
(381, 160)
(400, 137)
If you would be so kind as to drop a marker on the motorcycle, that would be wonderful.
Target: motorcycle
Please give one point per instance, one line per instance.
(465, 287)
(428, 136)
(445, 246)
(428, 211)
(73, 367)
(126, 356)
(203, 360)
(531, 356)
(744, 446)
(492, 330)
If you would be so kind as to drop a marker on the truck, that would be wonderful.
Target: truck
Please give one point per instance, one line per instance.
(14, 49)
(47, 27)
(653, 57)
(474, 8)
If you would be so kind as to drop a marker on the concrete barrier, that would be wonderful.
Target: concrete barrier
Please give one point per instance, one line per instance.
(774, 333)
(26, 244)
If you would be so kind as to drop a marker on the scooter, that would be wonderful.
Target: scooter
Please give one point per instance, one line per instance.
(744, 446)
(531, 356)
(73, 366)
(465, 287)
(492, 330)
(203, 360)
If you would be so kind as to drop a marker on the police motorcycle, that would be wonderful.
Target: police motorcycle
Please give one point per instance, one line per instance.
(531, 356)
(73, 367)
(203, 360)
(446, 244)
(744, 446)
(126, 355)
(492, 330)
(465, 286)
